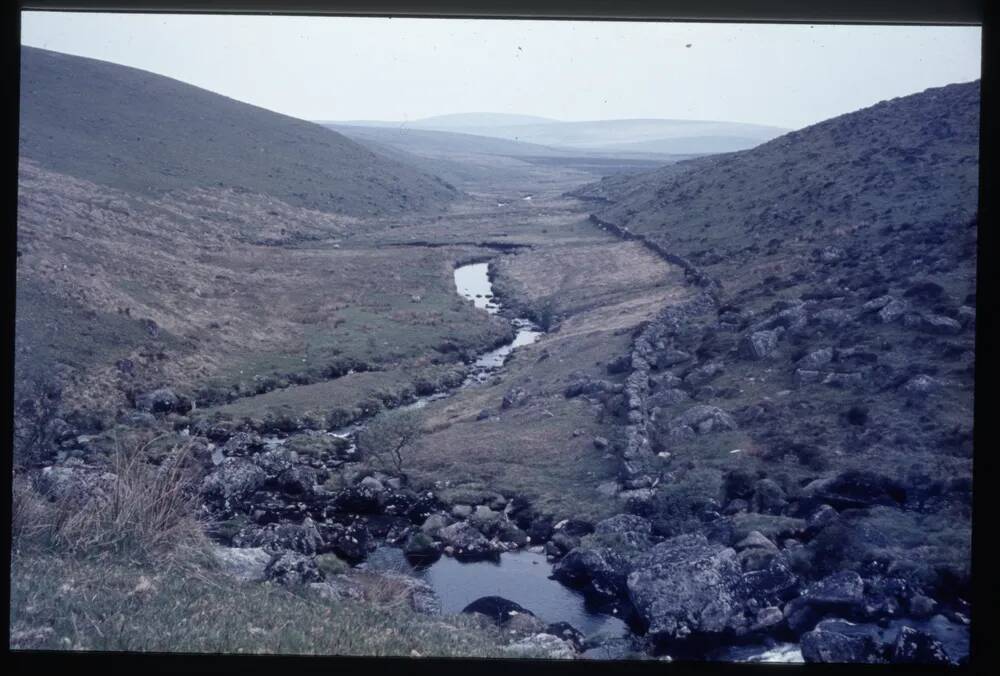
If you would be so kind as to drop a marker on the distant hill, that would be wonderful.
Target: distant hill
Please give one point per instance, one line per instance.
(133, 130)
(450, 122)
(472, 120)
(472, 161)
(655, 136)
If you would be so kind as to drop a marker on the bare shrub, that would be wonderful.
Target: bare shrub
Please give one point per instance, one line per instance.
(37, 408)
(388, 436)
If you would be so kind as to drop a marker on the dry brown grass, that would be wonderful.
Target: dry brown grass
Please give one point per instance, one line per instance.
(144, 512)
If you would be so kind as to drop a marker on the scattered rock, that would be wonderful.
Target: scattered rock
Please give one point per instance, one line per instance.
(467, 542)
(760, 344)
(246, 564)
(544, 646)
(291, 568)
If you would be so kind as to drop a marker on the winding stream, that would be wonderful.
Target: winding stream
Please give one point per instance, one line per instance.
(521, 576)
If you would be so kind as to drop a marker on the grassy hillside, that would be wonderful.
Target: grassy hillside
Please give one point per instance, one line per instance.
(140, 132)
(836, 346)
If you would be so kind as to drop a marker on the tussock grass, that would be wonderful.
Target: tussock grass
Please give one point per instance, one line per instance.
(142, 511)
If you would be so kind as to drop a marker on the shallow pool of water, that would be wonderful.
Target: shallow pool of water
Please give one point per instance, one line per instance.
(473, 282)
(521, 576)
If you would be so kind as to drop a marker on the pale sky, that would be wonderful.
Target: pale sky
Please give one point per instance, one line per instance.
(344, 68)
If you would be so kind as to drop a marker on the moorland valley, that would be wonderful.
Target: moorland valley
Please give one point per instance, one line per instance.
(695, 391)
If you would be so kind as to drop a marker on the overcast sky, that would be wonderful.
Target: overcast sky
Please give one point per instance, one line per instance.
(341, 68)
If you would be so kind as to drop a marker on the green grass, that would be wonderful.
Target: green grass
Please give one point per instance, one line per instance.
(63, 603)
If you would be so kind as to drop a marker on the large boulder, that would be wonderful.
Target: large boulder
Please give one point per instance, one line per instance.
(602, 563)
(601, 571)
(243, 444)
(496, 608)
(841, 641)
(842, 589)
(302, 537)
(913, 646)
(686, 585)
(245, 564)
(352, 542)
(233, 482)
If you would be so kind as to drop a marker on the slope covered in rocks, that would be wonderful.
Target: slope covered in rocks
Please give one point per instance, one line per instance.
(139, 132)
(810, 411)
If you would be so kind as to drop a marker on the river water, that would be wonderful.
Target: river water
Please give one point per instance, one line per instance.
(521, 576)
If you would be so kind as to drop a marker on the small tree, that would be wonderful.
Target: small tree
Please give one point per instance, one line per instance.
(37, 409)
(388, 436)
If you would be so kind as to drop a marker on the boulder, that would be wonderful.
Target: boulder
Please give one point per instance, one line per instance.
(892, 311)
(916, 647)
(498, 609)
(509, 533)
(768, 497)
(760, 344)
(939, 324)
(297, 481)
(485, 520)
(513, 398)
(276, 461)
(601, 571)
(667, 398)
(671, 357)
(245, 564)
(420, 549)
(703, 374)
(351, 541)
(575, 527)
(304, 538)
(816, 359)
(467, 542)
(841, 641)
(435, 522)
(701, 419)
(234, 481)
(291, 568)
(842, 589)
(360, 499)
(833, 318)
(820, 518)
(686, 585)
(243, 444)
